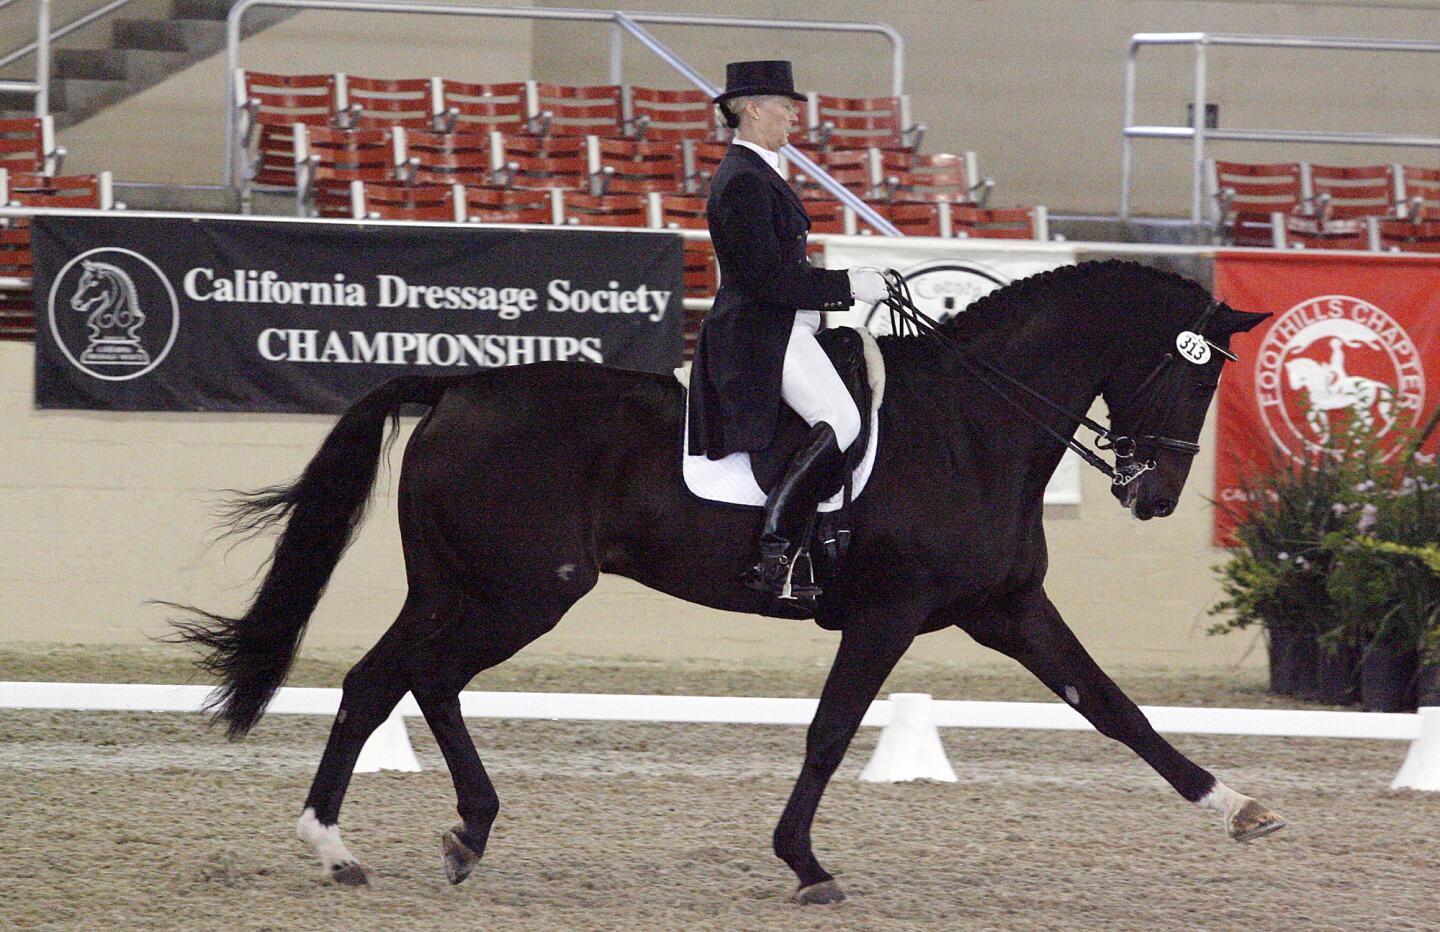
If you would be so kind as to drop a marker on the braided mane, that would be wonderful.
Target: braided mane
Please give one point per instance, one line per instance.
(1010, 305)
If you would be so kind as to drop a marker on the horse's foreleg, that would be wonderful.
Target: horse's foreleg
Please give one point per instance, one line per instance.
(867, 654)
(1036, 635)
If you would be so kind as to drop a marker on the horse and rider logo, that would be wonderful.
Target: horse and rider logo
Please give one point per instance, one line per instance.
(941, 290)
(1335, 357)
(113, 313)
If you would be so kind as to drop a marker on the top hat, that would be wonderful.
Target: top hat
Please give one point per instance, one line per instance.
(758, 79)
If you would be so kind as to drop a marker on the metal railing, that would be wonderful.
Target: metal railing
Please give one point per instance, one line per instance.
(622, 23)
(40, 87)
(1198, 133)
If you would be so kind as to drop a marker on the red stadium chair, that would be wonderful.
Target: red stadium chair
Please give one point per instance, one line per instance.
(828, 215)
(853, 168)
(483, 108)
(658, 115)
(327, 160)
(432, 202)
(940, 176)
(510, 205)
(1343, 192)
(626, 166)
(574, 110)
(1410, 235)
(1244, 196)
(28, 145)
(913, 219)
(542, 162)
(375, 102)
(1417, 192)
(449, 158)
(20, 189)
(702, 274)
(967, 220)
(17, 273)
(701, 159)
(862, 122)
(616, 210)
(267, 108)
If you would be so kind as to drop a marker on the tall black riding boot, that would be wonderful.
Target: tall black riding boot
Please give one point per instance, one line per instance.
(789, 509)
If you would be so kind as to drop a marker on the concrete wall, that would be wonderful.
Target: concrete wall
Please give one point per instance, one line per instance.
(104, 511)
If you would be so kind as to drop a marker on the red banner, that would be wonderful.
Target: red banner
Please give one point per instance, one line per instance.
(1351, 336)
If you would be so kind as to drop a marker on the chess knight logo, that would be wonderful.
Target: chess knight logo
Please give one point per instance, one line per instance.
(1336, 357)
(941, 290)
(113, 313)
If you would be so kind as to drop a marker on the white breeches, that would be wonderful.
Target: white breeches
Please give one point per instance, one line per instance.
(810, 385)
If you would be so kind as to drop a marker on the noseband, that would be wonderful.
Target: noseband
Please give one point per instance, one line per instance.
(1134, 455)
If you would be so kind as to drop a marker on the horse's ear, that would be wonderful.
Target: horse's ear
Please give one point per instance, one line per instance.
(1229, 320)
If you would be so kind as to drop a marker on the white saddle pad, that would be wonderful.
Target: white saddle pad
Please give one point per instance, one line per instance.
(731, 479)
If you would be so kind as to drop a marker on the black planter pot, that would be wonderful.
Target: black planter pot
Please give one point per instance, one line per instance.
(1306, 652)
(1282, 659)
(1427, 684)
(1338, 676)
(1387, 679)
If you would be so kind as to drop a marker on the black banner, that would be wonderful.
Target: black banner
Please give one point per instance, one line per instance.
(156, 314)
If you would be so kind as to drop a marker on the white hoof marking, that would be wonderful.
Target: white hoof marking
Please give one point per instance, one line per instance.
(325, 839)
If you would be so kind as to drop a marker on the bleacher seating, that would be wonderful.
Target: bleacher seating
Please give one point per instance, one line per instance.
(628, 166)
(1417, 192)
(26, 189)
(862, 123)
(573, 110)
(603, 210)
(604, 140)
(267, 109)
(431, 202)
(381, 102)
(482, 108)
(328, 159)
(448, 158)
(658, 115)
(28, 145)
(1246, 196)
(967, 220)
(512, 205)
(542, 162)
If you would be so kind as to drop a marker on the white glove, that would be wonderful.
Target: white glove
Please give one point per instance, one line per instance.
(867, 285)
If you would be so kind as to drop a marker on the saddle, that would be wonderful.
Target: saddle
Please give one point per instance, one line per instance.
(846, 349)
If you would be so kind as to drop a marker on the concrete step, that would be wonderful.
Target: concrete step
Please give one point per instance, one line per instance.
(202, 9)
(175, 35)
(139, 65)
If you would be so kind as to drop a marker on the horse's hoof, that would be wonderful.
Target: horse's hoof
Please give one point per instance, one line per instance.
(1254, 821)
(820, 894)
(349, 875)
(460, 858)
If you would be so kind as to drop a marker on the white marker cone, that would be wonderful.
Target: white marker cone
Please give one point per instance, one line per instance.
(388, 748)
(1421, 770)
(909, 747)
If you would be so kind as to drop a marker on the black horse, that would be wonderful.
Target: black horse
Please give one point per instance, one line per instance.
(521, 485)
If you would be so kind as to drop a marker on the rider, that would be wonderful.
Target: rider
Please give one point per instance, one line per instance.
(757, 345)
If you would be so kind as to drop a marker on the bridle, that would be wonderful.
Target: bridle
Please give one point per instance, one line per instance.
(1134, 455)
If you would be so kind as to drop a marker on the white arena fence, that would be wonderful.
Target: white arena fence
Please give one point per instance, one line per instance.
(907, 749)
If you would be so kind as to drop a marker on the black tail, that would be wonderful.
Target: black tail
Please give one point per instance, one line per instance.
(252, 654)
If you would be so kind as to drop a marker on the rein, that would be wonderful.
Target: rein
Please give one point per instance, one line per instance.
(907, 319)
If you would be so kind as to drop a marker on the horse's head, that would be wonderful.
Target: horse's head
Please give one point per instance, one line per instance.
(1158, 397)
(94, 290)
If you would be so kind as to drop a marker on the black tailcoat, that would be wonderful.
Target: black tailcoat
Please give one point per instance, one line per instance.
(758, 226)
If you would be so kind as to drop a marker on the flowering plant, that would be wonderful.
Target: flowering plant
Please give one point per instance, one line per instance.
(1345, 543)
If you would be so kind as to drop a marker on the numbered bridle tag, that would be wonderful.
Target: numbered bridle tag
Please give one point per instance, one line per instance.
(1193, 347)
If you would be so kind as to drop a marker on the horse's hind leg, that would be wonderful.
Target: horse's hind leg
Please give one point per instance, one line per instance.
(1035, 634)
(371, 690)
